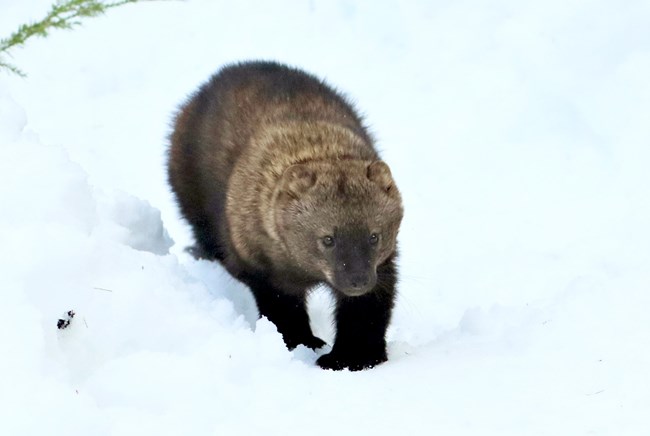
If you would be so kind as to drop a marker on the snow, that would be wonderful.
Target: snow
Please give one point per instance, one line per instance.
(518, 133)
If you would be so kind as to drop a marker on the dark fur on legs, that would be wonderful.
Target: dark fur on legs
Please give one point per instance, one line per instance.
(361, 324)
(288, 312)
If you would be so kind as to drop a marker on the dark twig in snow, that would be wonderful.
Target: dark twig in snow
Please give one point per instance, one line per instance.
(63, 14)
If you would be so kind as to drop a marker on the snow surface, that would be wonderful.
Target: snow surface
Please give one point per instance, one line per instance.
(518, 132)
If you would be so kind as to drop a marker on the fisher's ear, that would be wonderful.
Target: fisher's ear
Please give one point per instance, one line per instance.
(379, 173)
(297, 179)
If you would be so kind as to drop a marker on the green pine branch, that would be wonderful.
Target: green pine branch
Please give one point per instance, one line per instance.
(64, 14)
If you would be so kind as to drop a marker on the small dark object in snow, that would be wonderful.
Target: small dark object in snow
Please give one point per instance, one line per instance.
(64, 323)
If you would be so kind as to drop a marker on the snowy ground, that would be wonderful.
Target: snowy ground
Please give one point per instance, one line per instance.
(518, 132)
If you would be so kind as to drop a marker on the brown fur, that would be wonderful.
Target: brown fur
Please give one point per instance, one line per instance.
(266, 161)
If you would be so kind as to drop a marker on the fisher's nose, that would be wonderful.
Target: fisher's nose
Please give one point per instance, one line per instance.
(357, 280)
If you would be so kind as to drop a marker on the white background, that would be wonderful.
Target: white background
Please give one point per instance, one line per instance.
(518, 133)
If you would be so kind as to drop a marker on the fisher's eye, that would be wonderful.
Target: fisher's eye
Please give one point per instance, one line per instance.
(328, 241)
(374, 238)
